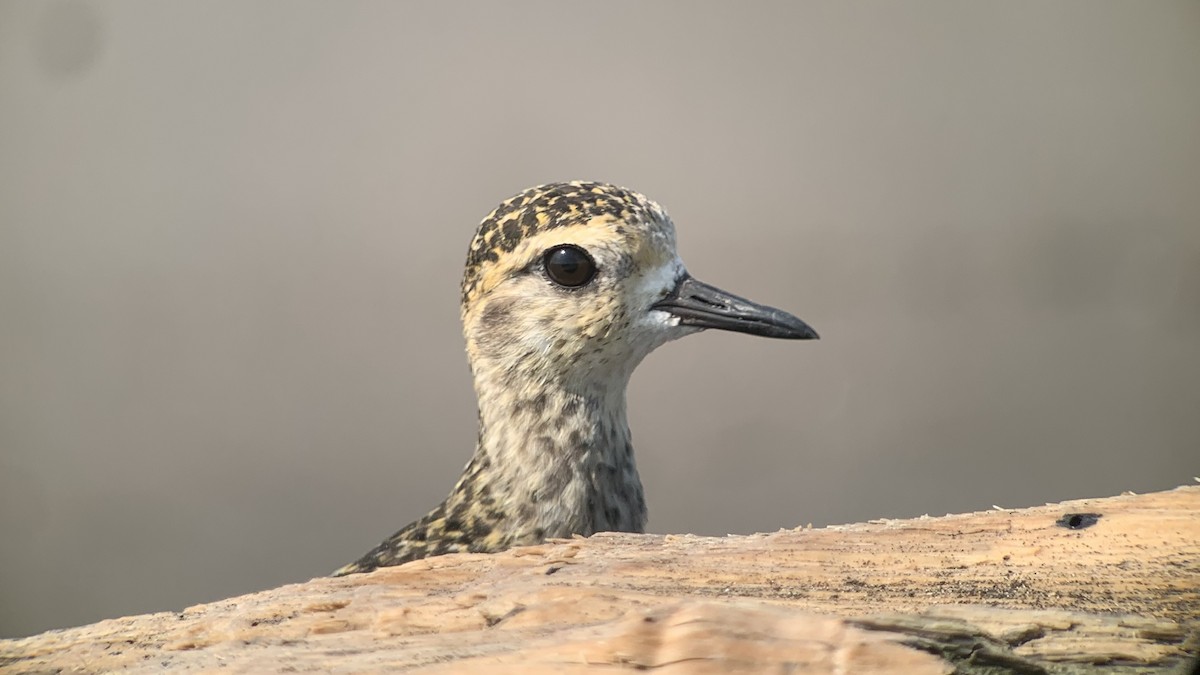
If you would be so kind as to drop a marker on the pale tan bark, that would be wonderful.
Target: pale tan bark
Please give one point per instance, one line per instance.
(1014, 590)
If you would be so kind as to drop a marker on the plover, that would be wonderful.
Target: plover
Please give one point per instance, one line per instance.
(568, 286)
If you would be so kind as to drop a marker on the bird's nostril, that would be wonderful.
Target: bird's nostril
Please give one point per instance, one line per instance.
(703, 300)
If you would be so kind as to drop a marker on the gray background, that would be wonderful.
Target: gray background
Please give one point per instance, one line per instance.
(231, 236)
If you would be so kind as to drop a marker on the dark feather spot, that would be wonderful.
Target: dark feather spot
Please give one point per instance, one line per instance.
(496, 313)
(512, 233)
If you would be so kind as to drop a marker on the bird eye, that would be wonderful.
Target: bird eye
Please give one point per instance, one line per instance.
(569, 266)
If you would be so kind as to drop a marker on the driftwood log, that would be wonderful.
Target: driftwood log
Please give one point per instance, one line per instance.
(1098, 586)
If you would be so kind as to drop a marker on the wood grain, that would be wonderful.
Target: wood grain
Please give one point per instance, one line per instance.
(1095, 585)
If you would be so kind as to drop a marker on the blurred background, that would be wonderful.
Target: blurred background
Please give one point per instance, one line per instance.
(231, 238)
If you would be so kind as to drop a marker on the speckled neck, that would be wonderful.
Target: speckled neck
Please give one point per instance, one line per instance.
(554, 458)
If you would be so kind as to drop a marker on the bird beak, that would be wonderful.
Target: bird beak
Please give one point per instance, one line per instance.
(702, 306)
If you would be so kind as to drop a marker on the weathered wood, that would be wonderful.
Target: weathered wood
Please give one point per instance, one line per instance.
(1047, 589)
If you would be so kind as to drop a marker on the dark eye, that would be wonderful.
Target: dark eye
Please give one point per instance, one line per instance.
(569, 266)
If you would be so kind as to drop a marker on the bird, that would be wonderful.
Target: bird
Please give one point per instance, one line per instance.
(567, 287)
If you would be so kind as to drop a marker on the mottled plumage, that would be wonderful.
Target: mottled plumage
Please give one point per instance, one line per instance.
(551, 362)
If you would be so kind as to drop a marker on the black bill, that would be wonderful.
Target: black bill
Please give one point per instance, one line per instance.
(703, 306)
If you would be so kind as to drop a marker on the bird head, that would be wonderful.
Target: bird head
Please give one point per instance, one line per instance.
(578, 282)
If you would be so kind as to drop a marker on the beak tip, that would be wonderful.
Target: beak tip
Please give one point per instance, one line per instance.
(806, 332)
